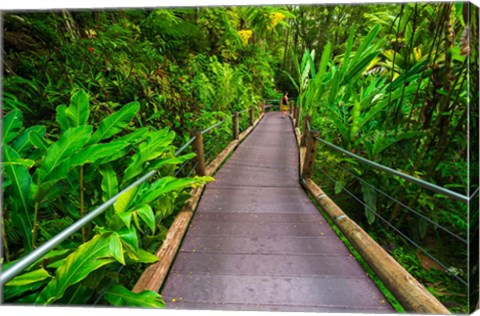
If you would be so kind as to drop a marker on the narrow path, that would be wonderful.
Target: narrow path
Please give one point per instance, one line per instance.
(257, 242)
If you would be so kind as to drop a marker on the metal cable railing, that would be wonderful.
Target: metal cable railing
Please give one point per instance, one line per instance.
(396, 229)
(406, 207)
(420, 182)
(430, 186)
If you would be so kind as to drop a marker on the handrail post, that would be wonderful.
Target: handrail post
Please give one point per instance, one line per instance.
(310, 153)
(235, 125)
(306, 121)
(198, 149)
(297, 115)
(252, 117)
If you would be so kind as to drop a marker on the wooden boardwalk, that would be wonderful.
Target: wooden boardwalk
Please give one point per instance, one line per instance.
(257, 243)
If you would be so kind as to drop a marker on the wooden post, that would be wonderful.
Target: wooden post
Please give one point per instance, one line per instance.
(198, 149)
(252, 117)
(310, 153)
(297, 115)
(235, 125)
(306, 121)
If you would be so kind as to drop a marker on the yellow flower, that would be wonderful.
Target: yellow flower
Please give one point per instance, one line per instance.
(245, 36)
(91, 33)
(276, 17)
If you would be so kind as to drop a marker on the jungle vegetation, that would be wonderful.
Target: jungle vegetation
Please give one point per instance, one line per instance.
(94, 99)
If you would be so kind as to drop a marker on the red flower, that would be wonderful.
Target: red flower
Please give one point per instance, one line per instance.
(91, 49)
(181, 79)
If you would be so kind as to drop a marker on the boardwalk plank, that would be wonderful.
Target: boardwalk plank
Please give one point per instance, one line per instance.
(258, 243)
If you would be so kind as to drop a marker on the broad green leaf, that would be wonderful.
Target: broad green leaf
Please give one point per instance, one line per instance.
(124, 200)
(18, 162)
(145, 257)
(157, 144)
(171, 161)
(109, 182)
(69, 142)
(118, 295)
(116, 248)
(22, 143)
(130, 240)
(115, 123)
(87, 258)
(98, 151)
(145, 212)
(20, 184)
(38, 141)
(79, 110)
(46, 190)
(370, 199)
(28, 278)
(12, 124)
(135, 137)
(24, 283)
(166, 185)
(91, 154)
(61, 117)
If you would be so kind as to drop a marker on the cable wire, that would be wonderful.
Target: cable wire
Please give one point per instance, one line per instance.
(406, 206)
(398, 231)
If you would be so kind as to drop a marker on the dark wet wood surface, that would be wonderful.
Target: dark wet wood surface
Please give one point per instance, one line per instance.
(257, 243)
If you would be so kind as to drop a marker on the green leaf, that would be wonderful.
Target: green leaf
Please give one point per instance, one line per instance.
(120, 296)
(157, 144)
(12, 124)
(109, 182)
(130, 240)
(29, 277)
(18, 162)
(116, 248)
(171, 161)
(145, 257)
(165, 185)
(38, 141)
(123, 201)
(61, 117)
(20, 184)
(145, 212)
(22, 143)
(370, 199)
(24, 283)
(69, 142)
(91, 154)
(79, 110)
(115, 123)
(135, 137)
(87, 258)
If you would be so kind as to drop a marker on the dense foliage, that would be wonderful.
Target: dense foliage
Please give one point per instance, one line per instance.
(94, 99)
(397, 90)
